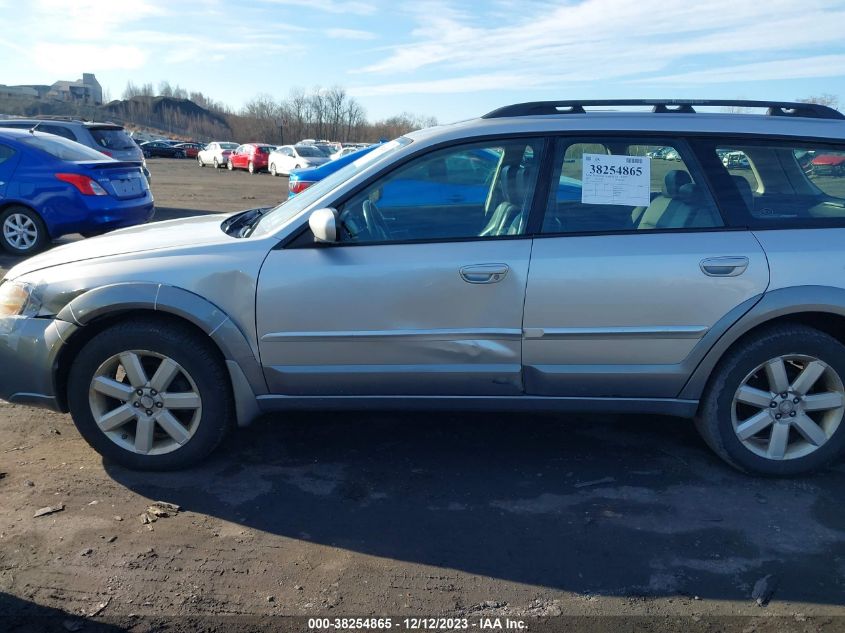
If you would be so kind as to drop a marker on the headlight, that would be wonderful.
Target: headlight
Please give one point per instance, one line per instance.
(16, 299)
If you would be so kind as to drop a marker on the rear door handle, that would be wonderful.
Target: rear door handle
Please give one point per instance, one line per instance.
(484, 273)
(724, 266)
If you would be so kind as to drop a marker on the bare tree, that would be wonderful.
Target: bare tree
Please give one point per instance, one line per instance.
(131, 90)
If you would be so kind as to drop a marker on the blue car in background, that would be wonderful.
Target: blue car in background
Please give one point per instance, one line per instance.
(464, 181)
(51, 186)
(300, 179)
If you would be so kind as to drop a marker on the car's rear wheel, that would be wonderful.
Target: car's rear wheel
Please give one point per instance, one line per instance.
(216, 164)
(273, 171)
(775, 404)
(22, 231)
(150, 395)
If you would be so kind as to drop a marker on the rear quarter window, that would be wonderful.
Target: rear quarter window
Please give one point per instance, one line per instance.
(787, 183)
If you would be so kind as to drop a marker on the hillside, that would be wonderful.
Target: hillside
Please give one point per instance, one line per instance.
(168, 115)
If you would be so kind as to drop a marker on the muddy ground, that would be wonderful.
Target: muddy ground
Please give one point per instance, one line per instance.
(534, 517)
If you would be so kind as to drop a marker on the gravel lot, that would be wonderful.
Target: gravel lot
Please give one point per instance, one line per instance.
(344, 514)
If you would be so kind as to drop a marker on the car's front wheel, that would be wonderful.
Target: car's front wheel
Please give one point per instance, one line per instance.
(273, 171)
(775, 404)
(230, 166)
(199, 161)
(150, 395)
(23, 231)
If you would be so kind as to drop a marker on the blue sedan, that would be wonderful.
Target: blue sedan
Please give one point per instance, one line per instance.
(51, 186)
(301, 179)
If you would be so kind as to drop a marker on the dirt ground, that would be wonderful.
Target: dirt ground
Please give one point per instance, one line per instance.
(574, 523)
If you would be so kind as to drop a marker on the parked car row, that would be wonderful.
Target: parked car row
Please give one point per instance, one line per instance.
(279, 161)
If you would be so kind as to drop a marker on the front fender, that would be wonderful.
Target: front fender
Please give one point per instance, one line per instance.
(241, 356)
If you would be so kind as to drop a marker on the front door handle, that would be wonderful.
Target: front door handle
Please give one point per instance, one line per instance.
(484, 273)
(724, 266)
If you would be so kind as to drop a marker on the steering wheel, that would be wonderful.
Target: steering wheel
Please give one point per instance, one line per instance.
(374, 220)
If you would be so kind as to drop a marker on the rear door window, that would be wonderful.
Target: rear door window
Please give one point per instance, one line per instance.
(621, 184)
(789, 184)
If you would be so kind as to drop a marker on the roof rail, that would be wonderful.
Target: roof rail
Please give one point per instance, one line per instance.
(666, 106)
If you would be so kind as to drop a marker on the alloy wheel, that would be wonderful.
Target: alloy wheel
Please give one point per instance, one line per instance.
(20, 231)
(145, 402)
(788, 407)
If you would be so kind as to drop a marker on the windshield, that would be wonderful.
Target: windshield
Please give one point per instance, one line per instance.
(228, 145)
(112, 138)
(62, 148)
(308, 151)
(289, 209)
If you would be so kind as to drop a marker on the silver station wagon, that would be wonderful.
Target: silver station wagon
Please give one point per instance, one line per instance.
(557, 256)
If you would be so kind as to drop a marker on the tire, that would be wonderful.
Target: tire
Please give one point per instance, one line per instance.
(180, 155)
(273, 171)
(251, 167)
(230, 166)
(22, 231)
(200, 377)
(755, 365)
(199, 162)
(147, 154)
(216, 163)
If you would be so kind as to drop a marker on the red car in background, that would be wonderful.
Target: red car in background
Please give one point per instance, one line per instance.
(251, 156)
(829, 164)
(189, 150)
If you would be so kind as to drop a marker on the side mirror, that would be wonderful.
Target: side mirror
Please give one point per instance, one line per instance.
(323, 223)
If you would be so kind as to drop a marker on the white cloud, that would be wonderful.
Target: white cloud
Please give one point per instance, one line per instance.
(66, 60)
(350, 34)
(99, 20)
(543, 44)
(799, 68)
(472, 83)
(331, 6)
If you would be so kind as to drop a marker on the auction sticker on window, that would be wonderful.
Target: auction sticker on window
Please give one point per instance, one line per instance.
(624, 180)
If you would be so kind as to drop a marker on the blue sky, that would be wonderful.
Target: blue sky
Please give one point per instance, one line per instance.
(451, 59)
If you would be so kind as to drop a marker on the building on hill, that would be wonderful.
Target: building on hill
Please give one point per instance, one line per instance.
(85, 90)
(19, 91)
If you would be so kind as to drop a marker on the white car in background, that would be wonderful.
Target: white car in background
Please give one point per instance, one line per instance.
(216, 153)
(289, 157)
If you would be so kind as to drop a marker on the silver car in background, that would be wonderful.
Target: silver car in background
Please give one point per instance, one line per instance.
(534, 259)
